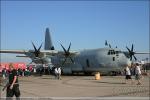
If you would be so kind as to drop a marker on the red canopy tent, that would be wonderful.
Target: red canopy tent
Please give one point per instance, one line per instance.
(16, 65)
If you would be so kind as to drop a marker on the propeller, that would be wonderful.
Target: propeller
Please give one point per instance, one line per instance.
(131, 52)
(36, 51)
(67, 53)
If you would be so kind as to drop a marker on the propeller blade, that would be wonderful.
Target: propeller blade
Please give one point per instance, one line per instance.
(40, 47)
(132, 48)
(34, 46)
(71, 60)
(63, 48)
(69, 47)
(130, 57)
(128, 49)
(64, 61)
(106, 44)
(135, 58)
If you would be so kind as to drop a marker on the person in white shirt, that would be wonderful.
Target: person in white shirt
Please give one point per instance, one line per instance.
(59, 73)
(138, 73)
(56, 73)
(128, 74)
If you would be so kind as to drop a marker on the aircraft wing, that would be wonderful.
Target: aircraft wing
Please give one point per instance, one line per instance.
(72, 53)
(42, 52)
(29, 52)
(14, 51)
(56, 52)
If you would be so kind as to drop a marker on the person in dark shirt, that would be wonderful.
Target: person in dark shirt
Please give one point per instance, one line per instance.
(13, 85)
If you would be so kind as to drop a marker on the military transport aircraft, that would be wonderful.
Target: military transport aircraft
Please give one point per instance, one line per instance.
(102, 60)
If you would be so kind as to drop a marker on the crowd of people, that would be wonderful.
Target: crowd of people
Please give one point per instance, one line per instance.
(56, 71)
(20, 72)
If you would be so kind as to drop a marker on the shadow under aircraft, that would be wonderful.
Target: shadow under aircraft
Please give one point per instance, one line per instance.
(103, 60)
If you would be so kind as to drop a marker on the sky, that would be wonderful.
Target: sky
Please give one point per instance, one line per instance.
(86, 24)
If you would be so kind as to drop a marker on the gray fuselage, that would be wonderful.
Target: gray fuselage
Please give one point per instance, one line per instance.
(95, 60)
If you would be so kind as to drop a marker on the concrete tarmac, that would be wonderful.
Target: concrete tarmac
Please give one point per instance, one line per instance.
(81, 87)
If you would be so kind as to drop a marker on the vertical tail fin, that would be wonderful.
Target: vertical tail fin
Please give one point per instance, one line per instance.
(48, 41)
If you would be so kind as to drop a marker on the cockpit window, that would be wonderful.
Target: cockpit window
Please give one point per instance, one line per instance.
(111, 52)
